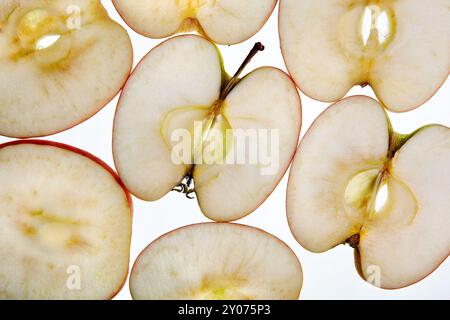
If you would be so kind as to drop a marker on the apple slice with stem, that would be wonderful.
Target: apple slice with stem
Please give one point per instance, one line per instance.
(65, 224)
(180, 116)
(217, 261)
(399, 48)
(356, 181)
(60, 62)
(223, 21)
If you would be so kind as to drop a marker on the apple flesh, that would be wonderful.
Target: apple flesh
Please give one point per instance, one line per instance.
(354, 180)
(181, 83)
(217, 261)
(60, 63)
(65, 224)
(330, 46)
(223, 21)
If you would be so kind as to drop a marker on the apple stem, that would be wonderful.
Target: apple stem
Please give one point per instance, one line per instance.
(235, 79)
(397, 140)
(353, 241)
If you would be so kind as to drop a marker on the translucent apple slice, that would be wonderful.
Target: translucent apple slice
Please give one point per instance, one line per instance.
(68, 57)
(180, 120)
(223, 21)
(356, 181)
(217, 261)
(402, 75)
(330, 46)
(344, 149)
(408, 250)
(309, 35)
(65, 224)
(264, 103)
(168, 90)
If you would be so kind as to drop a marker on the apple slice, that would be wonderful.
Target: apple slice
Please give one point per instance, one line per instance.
(222, 21)
(330, 46)
(354, 180)
(217, 261)
(180, 87)
(60, 63)
(65, 224)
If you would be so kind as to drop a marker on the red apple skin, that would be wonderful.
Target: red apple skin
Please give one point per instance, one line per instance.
(242, 226)
(142, 33)
(357, 255)
(300, 120)
(101, 106)
(420, 104)
(90, 157)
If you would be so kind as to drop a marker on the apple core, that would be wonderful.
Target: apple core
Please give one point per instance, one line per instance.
(377, 26)
(375, 30)
(222, 288)
(371, 196)
(42, 33)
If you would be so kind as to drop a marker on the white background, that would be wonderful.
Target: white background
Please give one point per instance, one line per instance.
(330, 275)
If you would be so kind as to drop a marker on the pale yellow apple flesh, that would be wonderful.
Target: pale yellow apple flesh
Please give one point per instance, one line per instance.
(217, 261)
(400, 48)
(354, 180)
(180, 82)
(65, 224)
(60, 63)
(223, 21)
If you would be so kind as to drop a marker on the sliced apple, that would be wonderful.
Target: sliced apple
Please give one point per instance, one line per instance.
(60, 63)
(65, 224)
(223, 21)
(354, 180)
(330, 46)
(217, 261)
(181, 83)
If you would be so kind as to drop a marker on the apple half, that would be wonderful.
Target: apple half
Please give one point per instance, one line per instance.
(65, 224)
(217, 261)
(355, 181)
(400, 48)
(60, 62)
(223, 21)
(180, 84)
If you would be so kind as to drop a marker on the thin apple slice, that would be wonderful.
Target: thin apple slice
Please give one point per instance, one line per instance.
(168, 90)
(309, 35)
(410, 249)
(65, 224)
(181, 84)
(402, 76)
(216, 261)
(348, 142)
(356, 181)
(264, 100)
(330, 46)
(223, 21)
(68, 57)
